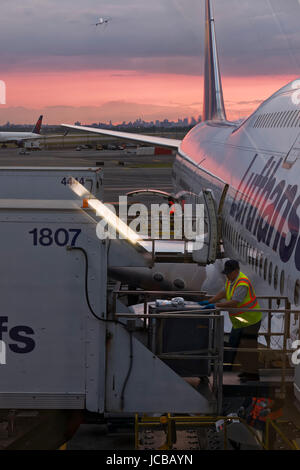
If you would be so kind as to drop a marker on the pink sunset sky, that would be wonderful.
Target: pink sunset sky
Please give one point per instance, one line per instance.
(92, 95)
(147, 63)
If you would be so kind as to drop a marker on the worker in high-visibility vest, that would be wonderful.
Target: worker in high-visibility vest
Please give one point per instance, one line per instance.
(239, 293)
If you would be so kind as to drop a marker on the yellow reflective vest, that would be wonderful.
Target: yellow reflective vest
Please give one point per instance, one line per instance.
(241, 319)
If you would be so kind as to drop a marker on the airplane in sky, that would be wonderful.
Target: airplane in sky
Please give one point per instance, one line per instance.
(253, 166)
(19, 137)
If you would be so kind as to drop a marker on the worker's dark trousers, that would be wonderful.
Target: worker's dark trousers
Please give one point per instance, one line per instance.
(244, 338)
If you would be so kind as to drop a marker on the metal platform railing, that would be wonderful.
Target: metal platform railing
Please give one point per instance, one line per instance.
(283, 353)
(170, 424)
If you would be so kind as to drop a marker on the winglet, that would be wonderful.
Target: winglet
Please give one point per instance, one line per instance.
(37, 127)
(213, 102)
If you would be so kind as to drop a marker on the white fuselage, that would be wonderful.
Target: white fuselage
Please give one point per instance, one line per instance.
(260, 161)
(17, 136)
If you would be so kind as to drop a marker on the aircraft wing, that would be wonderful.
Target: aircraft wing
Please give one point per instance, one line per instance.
(146, 139)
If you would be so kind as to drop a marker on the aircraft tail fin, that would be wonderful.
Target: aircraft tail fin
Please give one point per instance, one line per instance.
(213, 102)
(37, 127)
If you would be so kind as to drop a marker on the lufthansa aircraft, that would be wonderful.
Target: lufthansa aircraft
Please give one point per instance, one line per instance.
(19, 137)
(258, 161)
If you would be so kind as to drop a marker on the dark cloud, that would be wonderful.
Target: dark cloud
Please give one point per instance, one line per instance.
(254, 36)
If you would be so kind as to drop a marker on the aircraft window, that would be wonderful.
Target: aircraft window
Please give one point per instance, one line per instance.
(256, 262)
(285, 115)
(261, 124)
(267, 120)
(260, 119)
(277, 119)
(265, 269)
(253, 258)
(261, 262)
(276, 278)
(244, 249)
(297, 292)
(270, 120)
(280, 118)
(250, 255)
(255, 124)
(270, 273)
(263, 120)
(291, 115)
(282, 282)
(288, 116)
(273, 119)
(295, 118)
(294, 114)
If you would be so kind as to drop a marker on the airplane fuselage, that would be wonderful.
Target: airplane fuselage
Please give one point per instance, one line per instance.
(17, 136)
(260, 161)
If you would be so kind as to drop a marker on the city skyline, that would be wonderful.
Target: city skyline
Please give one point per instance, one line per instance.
(184, 122)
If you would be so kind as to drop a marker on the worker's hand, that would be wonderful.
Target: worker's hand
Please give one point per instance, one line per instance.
(203, 302)
(209, 307)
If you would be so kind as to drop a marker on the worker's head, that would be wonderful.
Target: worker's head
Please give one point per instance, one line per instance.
(231, 269)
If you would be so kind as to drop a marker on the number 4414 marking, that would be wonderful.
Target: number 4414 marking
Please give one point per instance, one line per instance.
(70, 181)
(60, 237)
